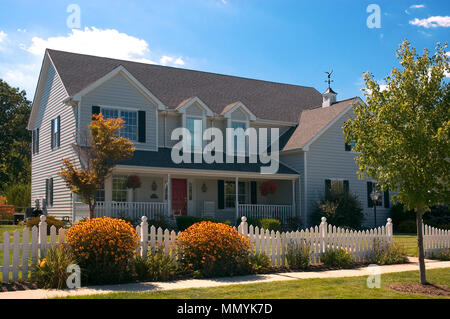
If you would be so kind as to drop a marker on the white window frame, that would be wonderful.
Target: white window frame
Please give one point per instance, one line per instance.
(241, 196)
(119, 114)
(113, 190)
(194, 148)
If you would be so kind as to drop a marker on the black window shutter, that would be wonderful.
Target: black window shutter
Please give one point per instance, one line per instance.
(141, 127)
(95, 110)
(58, 139)
(51, 192)
(46, 191)
(37, 140)
(52, 138)
(253, 192)
(369, 191)
(327, 187)
(346, 186)
(221, 194)
(33, 142)
(386, 199)
(348, 147)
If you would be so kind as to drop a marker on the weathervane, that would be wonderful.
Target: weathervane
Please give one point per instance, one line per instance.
(329, 78)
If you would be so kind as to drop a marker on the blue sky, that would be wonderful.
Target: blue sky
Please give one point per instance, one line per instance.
(283, 41)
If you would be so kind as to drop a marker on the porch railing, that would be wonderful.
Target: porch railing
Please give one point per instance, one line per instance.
(133, 210)
(281, 212)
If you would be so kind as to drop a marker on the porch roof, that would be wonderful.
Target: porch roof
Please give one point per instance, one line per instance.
(163, 159)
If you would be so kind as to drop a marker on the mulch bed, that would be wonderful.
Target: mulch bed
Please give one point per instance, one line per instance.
(16, 286)
(416, 288)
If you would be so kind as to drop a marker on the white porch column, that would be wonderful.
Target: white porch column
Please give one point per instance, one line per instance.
(169, 196)
(293, 198)
(236, 198)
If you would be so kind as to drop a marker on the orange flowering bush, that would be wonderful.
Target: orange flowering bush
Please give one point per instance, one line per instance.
(214, 249)
(105, 247)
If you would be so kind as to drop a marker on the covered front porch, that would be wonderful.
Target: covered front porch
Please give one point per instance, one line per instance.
(199, 193)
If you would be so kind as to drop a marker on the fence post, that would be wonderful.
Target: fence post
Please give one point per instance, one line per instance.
(243, 226)
(389, 230)
(144, 236)
(42, 236)
(323, 234)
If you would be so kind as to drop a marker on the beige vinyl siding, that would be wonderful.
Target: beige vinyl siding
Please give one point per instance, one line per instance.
(119, 93)
(327, 159)
(47, 163)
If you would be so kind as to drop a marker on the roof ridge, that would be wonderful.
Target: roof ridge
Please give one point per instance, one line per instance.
(184, 69)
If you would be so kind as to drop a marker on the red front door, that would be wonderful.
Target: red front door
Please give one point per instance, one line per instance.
(179, 196)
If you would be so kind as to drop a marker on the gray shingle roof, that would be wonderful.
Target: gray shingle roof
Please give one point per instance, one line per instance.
(267, 100)
(163, 159)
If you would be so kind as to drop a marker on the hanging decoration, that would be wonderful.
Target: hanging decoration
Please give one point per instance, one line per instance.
(204, 188)
(154, 186)
(133, 181)
(267, 188)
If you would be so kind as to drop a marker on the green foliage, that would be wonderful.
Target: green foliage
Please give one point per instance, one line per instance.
(407, 227)
(293, 224)
(260, 263)
(15, 139)
(298, 255)
(341, 209)
(271, 224)
(402, 133)
(159, 221)
(443, 255)
(51, 271)
(51, 221)
(19, 195)
(157, 266)
(339, 258)
(184, 222)
(388, 254)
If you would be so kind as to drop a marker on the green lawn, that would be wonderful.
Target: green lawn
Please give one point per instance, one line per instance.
(332, 288)
(409, 241)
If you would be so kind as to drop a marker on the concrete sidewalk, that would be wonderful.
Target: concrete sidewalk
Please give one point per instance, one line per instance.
(203, 283)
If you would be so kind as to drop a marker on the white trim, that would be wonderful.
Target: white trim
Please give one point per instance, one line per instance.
(337, 118)
(238, 105)
(157, 129)
(200, 172)
(123, 71)
(305, 178)
(187, 104)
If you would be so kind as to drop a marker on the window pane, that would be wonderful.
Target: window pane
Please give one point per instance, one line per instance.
(119, 189)
(100, 194)
(110, 113)
(129, 129)
(230, 195)
(195, 127)
(239, 139)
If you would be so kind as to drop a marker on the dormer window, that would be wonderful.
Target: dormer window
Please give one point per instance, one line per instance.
(195, 127)
(239, 138)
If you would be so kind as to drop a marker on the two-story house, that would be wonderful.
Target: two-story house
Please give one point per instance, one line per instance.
(153, 101)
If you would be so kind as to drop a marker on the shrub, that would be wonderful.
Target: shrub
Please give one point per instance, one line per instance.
(7, 216)
(50, 220)
(159, 221)
(214, 249)
(256, 222)
(339, 258)
(157, 266)
(298, 255)
(340, 208)
(271, 224)
(184, 222)
(388, 254)
(51, 271)
(443, 255)
(293, 224)
(260, 263)
(407, 226)
(105, 247)
(19, 195)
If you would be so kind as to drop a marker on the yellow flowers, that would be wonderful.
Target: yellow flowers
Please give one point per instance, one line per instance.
(206, 244)
(43, 262)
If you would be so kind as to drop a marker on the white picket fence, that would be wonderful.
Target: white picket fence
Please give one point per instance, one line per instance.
(19, 255)
(435, 239)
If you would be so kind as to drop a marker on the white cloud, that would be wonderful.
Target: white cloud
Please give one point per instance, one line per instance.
(432, 22)
(100, 42)
(417, 6)
(3, 36)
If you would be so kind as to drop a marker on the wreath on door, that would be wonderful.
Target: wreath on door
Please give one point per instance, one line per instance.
(267, 188)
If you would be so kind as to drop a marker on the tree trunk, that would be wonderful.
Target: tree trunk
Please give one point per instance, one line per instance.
(91, 210)
(419, 215)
